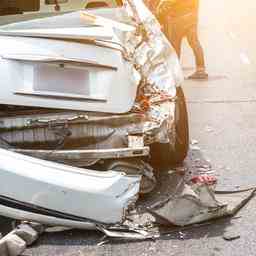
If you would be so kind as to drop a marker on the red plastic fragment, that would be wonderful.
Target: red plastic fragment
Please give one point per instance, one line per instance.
(204, 179)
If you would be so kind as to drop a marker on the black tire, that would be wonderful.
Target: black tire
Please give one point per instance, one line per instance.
(166, 155)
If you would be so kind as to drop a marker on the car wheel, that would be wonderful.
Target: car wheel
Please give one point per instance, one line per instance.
(165, 155)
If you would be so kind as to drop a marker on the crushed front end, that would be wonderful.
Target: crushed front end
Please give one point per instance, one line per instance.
(93, 138)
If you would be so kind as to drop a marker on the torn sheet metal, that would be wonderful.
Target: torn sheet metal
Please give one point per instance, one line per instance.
(196, 204)
(156, 62)
(97, 197)
(190, 205)
(141, 227)
(151, 52)
(127, 233)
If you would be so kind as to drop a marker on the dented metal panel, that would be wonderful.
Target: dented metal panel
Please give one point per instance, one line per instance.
(189, 205)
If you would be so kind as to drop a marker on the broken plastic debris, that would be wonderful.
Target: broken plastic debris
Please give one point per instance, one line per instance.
(231, 236)
(127, 233)
(204, 179)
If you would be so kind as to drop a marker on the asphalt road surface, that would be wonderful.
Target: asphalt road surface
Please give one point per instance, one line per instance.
(222, 119)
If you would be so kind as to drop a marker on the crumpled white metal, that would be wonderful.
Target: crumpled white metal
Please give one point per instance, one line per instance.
(156, 62)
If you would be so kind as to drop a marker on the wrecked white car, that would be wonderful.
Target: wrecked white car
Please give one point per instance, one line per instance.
(91, 106)
(96, 90)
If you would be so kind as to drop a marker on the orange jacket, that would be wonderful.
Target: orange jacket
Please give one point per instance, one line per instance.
(152, 4)
(177, 8)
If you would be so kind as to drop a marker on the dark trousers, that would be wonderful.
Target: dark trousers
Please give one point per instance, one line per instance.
(176, 31)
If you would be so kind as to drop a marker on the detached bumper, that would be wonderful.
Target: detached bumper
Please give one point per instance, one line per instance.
(53, 191)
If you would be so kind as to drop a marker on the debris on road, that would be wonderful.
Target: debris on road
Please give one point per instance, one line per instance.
(127, 233)
(204, 179)
(15, 243)
(231, 236)
(190, 205)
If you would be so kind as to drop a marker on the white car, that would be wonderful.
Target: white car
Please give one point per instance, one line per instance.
(98, 89)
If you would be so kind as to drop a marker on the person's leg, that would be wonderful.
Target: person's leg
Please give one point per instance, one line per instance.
(176, 43)
(193, 41)
(174, 35)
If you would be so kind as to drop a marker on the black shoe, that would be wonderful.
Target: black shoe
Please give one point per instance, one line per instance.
(199, 75)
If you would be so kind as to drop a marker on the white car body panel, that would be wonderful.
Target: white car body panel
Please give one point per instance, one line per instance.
(84, 195)
(18, 214)
(93, 33)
